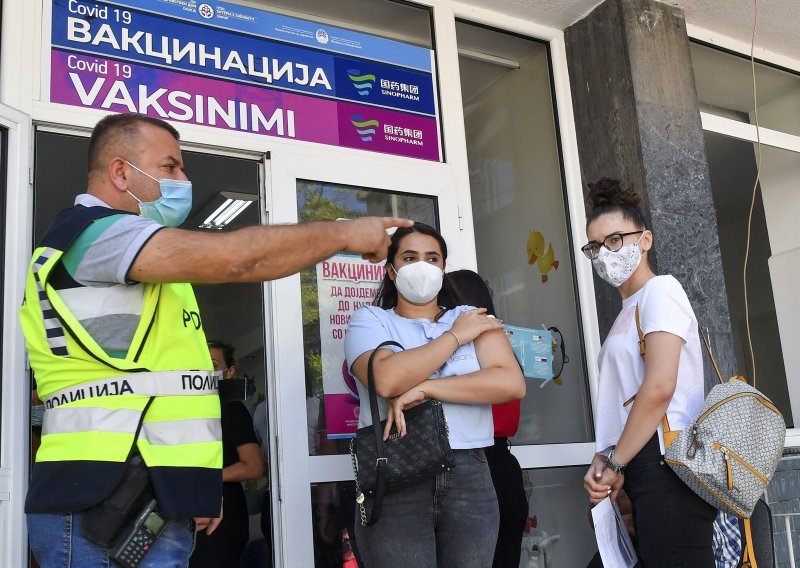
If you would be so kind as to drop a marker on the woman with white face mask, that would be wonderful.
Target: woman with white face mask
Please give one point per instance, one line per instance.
(458, 356)
(639, 387)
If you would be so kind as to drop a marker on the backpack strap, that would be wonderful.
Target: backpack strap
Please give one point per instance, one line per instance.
(669, 433)
(748, 555)
(710, 354)
(642, 345)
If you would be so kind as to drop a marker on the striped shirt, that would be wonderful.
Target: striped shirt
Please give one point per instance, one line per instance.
(94, 282)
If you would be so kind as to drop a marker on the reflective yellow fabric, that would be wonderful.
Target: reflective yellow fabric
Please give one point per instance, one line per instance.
(167, 338)
(92, 446)
(177, 456)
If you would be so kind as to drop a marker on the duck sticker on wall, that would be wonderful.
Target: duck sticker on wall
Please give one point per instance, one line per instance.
(545, 261)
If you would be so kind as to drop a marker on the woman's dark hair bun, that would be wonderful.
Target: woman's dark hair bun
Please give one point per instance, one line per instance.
(607, 192)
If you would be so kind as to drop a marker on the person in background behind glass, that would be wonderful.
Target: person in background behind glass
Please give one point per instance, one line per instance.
(472, 290)
(241, 461)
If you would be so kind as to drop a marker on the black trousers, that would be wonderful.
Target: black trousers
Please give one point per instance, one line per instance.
(507, 480)
(673, 525)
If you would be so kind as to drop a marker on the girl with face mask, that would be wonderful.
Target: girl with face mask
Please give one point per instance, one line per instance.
(459, 356)
(639, 387)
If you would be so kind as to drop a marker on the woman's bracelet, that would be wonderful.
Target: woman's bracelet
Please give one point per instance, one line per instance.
(615, 466)
(454, 335)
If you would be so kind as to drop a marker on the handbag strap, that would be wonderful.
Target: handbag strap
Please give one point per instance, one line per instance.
(380, 461)
(748, 554)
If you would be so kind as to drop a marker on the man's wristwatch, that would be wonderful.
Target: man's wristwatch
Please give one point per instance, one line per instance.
(613, 465)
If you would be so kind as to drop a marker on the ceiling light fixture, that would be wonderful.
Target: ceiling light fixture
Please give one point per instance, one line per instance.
(233, 206)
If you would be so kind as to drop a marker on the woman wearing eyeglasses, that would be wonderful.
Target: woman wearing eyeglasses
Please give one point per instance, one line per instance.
(639, 387)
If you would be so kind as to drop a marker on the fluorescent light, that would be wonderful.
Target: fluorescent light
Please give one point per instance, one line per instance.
(488, 58)
(233, 206)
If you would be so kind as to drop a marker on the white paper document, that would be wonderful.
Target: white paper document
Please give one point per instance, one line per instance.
(613, 540)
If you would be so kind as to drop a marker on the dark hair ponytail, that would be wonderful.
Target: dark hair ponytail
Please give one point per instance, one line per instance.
(387, 292)
(607, 195)
(468, 288)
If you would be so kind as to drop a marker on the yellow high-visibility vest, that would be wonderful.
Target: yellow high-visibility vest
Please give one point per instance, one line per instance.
(161, 394)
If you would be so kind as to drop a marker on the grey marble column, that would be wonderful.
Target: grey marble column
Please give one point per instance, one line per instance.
(638, 120)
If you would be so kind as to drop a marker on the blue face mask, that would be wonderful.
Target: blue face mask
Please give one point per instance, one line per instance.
(172, 208)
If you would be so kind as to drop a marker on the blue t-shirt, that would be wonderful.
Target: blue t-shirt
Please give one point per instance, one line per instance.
(470, 425)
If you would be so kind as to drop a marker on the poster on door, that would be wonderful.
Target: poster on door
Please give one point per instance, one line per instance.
(223, 65)
(344, 284)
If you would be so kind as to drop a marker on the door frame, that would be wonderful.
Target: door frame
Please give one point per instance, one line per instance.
(296, 469)
(15, 403)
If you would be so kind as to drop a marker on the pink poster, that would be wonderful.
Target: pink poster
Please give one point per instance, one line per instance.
(344, 284)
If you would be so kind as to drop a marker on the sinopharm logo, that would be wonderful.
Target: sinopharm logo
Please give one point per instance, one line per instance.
(365, 128)
(362, 83)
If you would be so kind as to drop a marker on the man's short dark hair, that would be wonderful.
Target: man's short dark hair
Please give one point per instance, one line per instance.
(228, 350)
(123, 128)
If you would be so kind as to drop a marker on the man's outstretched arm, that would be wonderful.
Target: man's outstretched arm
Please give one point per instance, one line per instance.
(256, 254)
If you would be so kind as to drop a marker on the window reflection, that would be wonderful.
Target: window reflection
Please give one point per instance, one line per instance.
(724, 84)
(333, 521)
(559, 529)
(522, 239)
(732, 165)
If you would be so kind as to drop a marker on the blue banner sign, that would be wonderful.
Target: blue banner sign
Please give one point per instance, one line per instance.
(137, 35)
(229, 66)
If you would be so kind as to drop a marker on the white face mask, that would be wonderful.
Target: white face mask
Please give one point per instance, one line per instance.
(419, 282)
(616, 267)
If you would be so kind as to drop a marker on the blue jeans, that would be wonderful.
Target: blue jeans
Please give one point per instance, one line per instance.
(57, 541)
(450, 520)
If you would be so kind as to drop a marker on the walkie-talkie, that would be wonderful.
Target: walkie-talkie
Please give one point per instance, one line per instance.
(129, 550)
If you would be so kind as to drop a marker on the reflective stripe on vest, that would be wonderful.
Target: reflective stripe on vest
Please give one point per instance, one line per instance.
(155, 383)
(88, 419)
(55, 333)
(72, 420)
(193, 431)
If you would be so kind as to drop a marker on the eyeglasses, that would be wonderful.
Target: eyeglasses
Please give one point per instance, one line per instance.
(612, 242)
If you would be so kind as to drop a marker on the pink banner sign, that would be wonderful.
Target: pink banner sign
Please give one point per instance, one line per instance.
(118, 86)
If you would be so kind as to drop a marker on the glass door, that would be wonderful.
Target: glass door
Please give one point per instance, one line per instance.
(525, 237)
(318, 408)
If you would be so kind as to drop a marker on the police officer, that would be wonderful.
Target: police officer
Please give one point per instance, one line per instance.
(123, 372)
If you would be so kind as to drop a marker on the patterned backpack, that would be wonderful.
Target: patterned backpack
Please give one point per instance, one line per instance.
(728, 454)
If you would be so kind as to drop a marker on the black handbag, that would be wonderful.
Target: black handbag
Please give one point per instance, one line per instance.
(385, 467)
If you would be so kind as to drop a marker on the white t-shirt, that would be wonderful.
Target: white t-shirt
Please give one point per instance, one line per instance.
(663, 306)
(469, 425)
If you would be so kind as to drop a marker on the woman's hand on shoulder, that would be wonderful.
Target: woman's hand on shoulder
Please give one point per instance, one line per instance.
(472, 323)
(398, 404)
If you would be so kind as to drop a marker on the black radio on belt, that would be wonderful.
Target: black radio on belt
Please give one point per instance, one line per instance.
(129, 550)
